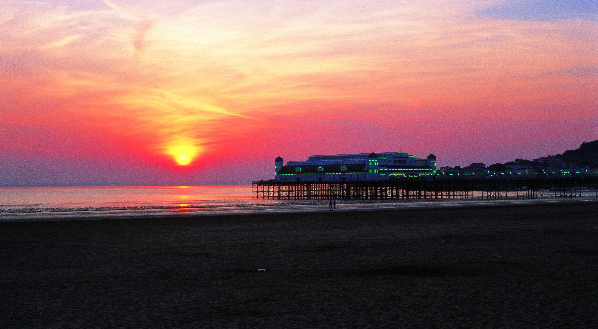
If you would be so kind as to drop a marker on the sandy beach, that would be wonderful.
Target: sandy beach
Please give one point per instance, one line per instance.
(478, 267)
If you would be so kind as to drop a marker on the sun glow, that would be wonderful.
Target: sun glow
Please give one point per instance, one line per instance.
(183, 160)
(183, 155)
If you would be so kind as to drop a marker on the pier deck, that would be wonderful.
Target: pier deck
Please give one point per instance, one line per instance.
(478, 188)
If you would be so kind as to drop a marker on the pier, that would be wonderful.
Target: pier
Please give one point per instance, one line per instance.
(430, 188)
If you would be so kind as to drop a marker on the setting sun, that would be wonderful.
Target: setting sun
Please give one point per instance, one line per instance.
(183, 155)
(183, 160)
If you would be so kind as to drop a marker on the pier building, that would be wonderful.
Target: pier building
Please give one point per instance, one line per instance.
(354, 167)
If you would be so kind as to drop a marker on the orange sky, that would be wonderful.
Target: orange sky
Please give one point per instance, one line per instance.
(124, 92)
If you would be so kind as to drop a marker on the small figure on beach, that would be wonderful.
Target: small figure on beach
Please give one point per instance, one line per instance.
(334, 204)
(330, 205)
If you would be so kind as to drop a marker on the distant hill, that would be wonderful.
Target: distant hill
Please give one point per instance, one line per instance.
(585, 155)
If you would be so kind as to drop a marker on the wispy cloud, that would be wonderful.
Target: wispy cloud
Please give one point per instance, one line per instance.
(543, 10)
(64, 41)
(588, 72)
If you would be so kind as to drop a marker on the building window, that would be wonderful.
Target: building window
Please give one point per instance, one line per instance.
(343, 168)
(297, 169)
(320, 168)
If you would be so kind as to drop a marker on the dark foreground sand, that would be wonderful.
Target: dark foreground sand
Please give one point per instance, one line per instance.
(479, 267)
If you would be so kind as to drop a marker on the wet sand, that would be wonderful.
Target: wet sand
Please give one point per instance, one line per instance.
(477, 267)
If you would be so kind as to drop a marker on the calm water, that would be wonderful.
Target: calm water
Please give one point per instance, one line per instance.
(61, 202)
(55, 203)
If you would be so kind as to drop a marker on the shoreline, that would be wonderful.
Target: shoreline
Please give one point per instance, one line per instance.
(490, 266)
(292, 207)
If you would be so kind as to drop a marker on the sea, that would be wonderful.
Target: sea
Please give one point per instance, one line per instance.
(64, 203)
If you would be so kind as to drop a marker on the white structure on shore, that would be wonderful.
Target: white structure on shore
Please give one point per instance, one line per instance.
(354, 167)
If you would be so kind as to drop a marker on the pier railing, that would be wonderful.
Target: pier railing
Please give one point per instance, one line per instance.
(477, 188)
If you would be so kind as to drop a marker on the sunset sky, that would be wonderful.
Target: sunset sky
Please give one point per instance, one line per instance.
(132, 92)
